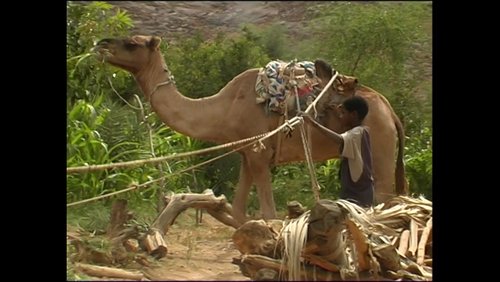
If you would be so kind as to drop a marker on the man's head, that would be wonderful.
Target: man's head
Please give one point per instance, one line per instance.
(353, 110)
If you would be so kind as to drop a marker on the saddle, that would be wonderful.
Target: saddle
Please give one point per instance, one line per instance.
(281, 85)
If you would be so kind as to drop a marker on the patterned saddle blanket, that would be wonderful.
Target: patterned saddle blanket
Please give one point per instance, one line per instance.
(279, 82)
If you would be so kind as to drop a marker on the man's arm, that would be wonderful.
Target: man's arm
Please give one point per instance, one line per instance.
(332, 134)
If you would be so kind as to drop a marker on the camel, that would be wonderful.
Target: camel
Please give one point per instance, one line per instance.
(233, 114)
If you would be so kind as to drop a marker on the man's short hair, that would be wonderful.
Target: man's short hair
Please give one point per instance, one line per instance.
(358, 104)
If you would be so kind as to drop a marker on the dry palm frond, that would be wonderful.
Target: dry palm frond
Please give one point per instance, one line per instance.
(358, 214)
(402, 222)
(398, 212)
(399, 229)
(294, 236)
(364, 218)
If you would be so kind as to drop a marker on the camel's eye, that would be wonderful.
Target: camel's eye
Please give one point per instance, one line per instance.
(130, 45)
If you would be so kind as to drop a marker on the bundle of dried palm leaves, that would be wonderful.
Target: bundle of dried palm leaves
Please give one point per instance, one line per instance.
(398, 234)
(339, 240)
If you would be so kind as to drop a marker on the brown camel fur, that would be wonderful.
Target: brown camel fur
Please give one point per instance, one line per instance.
(232, 114)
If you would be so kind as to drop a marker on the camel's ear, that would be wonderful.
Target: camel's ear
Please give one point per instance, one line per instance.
(154, 43)
(323, 70)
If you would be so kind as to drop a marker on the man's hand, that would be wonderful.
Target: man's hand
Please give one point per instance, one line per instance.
(301, 114)
(304, 115)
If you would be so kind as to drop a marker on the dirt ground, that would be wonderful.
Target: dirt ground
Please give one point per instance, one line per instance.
(197, 252)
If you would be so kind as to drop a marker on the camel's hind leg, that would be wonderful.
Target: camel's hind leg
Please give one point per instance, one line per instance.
(242, 191)
(261, 172)
(262, 178)
(254, 170)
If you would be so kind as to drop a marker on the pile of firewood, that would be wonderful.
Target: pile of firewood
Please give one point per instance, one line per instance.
(338, 240)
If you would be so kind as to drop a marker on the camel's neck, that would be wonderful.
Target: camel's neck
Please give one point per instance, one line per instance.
(196, 118)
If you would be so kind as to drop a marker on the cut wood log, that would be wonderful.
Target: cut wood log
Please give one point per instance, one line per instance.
(131, 245)
(108, 272)
(256, 237)
(423, 242)
(155, 244)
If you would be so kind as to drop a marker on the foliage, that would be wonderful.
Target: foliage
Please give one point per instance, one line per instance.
(419, 163)
(202, 68)
(372, 42)
(86, 24)
(70, 271)
(101, 128)
(272, 40)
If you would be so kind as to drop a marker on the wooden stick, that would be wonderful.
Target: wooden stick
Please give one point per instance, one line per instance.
(102, 271)
(413, 237)
(403, 242)
(423, 242)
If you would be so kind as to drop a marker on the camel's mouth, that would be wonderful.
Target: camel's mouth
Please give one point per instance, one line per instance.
(102, 50)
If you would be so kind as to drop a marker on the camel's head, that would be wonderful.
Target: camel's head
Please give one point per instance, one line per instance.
(131, 54)
(343, 86)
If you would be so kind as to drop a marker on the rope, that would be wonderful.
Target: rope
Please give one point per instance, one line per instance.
(310, 163)
(91, 168)
(313, 104)
(159, 179)
(307, 152)
(292, 122)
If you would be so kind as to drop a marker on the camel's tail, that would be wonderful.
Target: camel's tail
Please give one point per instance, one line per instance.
(401, 184)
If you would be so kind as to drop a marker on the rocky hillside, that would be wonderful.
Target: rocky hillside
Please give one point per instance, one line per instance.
(209, 17)
(170, 19)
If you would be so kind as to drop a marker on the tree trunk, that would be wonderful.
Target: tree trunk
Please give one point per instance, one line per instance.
(215, 206)
(119, 216)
